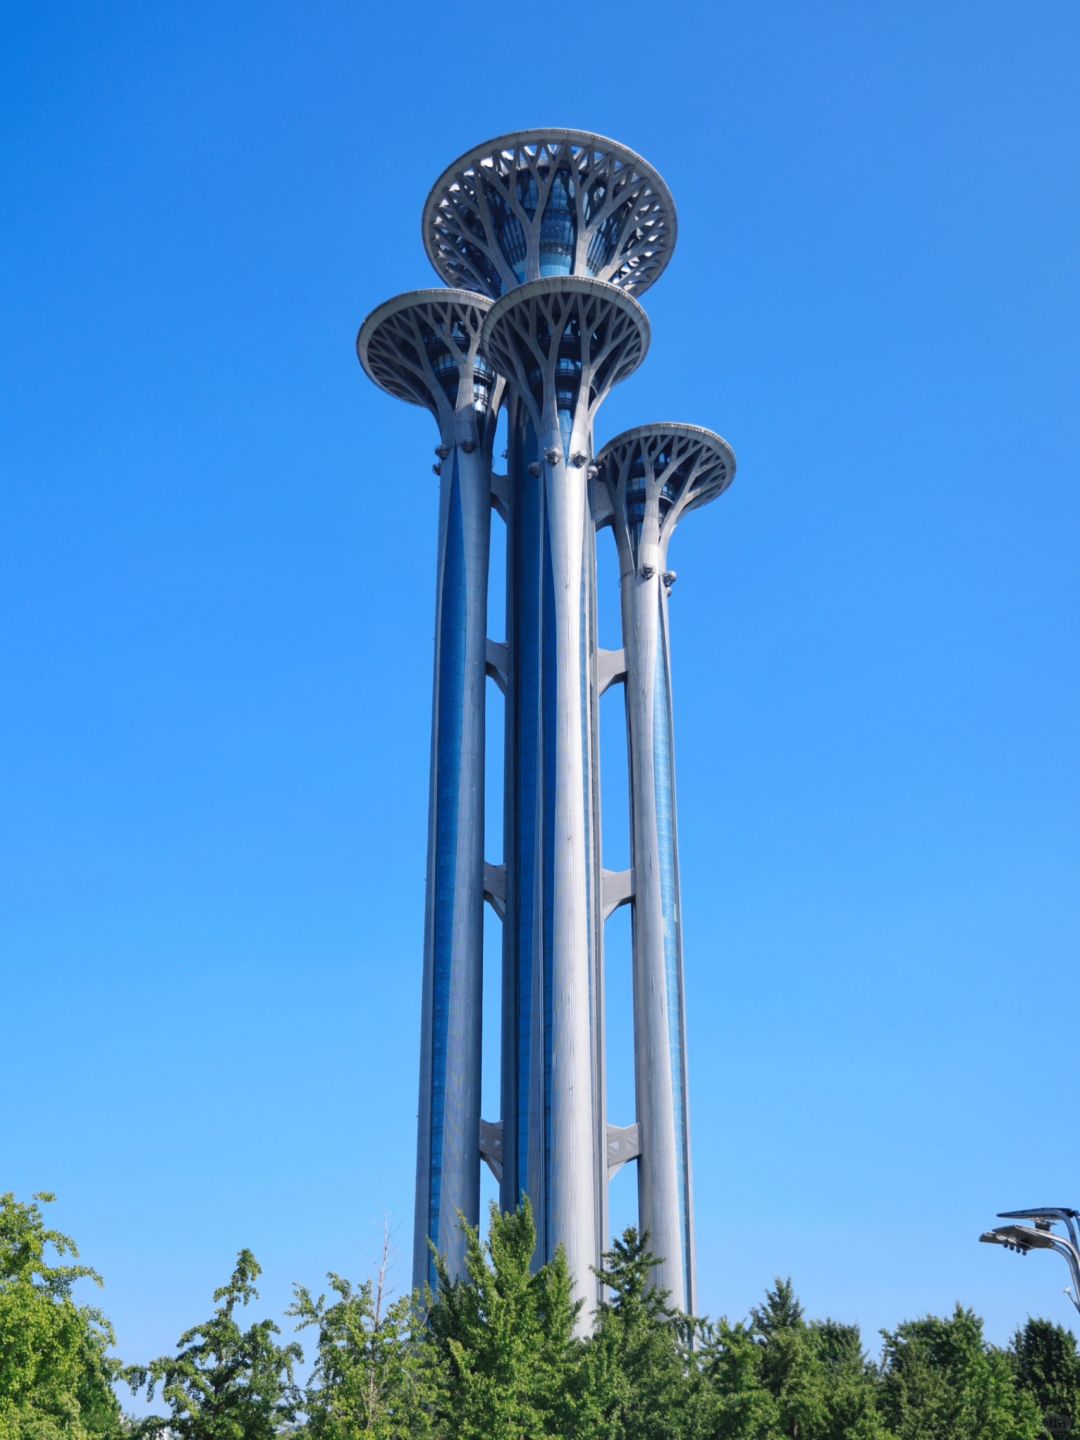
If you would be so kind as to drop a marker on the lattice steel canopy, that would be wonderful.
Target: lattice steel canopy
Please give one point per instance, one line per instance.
(424, 347)
(568, 339)
(655, 473)
(538, 203)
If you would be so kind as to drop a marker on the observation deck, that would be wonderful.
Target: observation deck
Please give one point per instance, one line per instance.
(424, 347)
(654, 474)
(565, 341)
(538, 203)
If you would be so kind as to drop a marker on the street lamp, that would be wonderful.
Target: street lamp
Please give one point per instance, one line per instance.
(1040, 1235)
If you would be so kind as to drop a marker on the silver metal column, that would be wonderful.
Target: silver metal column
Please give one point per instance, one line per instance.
(425, 347)
(653, 475)
(561, 343)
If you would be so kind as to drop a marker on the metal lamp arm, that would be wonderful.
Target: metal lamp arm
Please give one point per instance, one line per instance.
(1069, 1251)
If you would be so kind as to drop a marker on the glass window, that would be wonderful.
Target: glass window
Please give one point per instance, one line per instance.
(667, 857)
(449, 703)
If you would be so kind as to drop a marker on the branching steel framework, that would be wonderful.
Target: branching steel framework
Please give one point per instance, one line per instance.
(555, 232)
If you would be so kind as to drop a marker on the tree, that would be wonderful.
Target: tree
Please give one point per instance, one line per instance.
(793, 1374)
(224, 1383)
(849, 1381)
(781, 1311)
(643, 1385)
(503, 1357)
(940, 1381)
(55, 1372)
(1046, 1365)
(789, 1368)
(370, 1378)
(817, 1372)
(740, 1405)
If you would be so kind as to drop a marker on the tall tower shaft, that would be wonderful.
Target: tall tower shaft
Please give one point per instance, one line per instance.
(653, 475)
(554, 233)
(561, 343)
(424, 347)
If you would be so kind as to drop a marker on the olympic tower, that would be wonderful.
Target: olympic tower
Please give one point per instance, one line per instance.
(552, 234)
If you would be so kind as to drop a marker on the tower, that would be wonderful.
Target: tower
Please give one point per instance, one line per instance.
(652, 476)
(562, 343)
(555, 233)
(424, 347)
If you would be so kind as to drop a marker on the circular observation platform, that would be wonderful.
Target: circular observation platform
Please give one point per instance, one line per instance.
(424, 347)
(654, 474)
(539, 203)
(554, 338)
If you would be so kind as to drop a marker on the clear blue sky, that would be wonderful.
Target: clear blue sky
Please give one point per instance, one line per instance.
(217, 588)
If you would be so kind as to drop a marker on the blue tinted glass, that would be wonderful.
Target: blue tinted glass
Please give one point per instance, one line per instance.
(523, 718)
(527, 193)
(602, 244)
(558, 227)
(508, 228)
(449, 705)
(587, 647)
(586, 763)
(550, 702)
(663, 770)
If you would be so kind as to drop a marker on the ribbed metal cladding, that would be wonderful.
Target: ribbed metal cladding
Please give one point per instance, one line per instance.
(561, 343)
(424, 347)
(550, 847)
(665, 1200)
(448, 1165)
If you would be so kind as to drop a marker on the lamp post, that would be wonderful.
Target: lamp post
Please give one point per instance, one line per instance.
(1040, 1235)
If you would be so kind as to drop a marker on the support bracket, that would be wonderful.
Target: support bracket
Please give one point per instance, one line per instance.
(600, 503)
(495, 888)
(497, 662)
(617, 888)
(623, 1145)
(491, 1149)
(610, 668)
(500, 495)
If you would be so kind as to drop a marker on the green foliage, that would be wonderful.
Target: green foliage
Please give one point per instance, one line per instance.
(503, 1359)
(642, 1383)
(788, 1368)
(1047, 1367)
(850, 1383)
(817, 1374)
(781, 1311)
(55, 1374)
(742, 1407)
(225, 1383)
(497, 1356)
(940, 1381)
(370, 1378)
